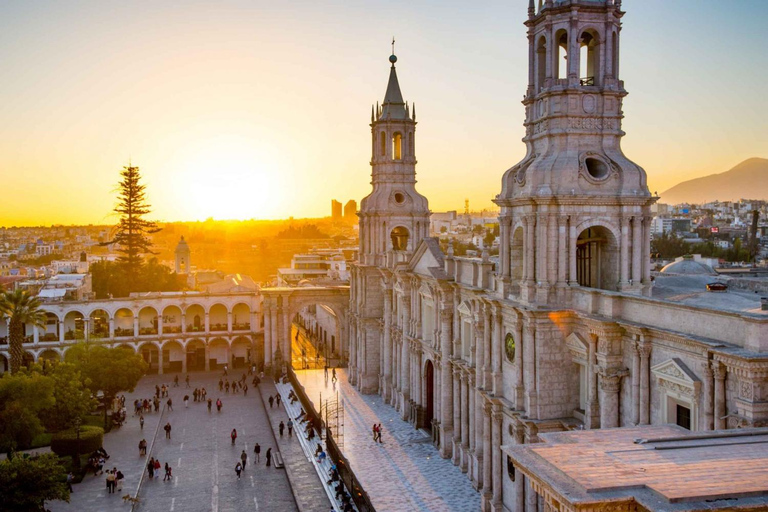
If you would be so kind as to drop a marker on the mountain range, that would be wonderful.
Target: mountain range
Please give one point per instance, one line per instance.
(748, 180)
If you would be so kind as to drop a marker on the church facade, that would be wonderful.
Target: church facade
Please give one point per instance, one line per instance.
(563, 331)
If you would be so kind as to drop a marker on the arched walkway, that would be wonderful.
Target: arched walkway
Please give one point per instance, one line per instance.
(151, 356)
(123, 323)
(196, 360)
(172, 320)
(98, 324)
(148, 321)
(173, 357)
(241, 352)
(49, 355)
(218, 353)
(4, 364)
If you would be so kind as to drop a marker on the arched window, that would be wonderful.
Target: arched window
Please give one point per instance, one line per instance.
(541, 63)
(399, 238)
(589, 71)
(397, 146)
(509, 347)
(597, 259)
(383, 143)
(561, 54)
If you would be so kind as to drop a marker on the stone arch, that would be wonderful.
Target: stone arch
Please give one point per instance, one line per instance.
(51, 332)
(98, 323)
(589, 56)
(172, 319)
(560, 55)
(123, 323)
(241, 317)
(337, 301)
(49, 354)
(4, 364)
(28, 358)
(429, 393)
(74, 325)
(148, 320)
(194, 317)
(541, 62)
(400, 238)
(149, 351)
(241, 350)
(173, 356)
(196, 353)
(217, 317)
(219, 353)
(597, 258)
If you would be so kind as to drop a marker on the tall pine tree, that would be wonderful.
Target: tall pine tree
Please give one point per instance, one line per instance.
(131, 232)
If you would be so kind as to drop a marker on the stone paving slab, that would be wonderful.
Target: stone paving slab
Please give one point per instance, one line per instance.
(406, 472)
(307, 488)
(200, 453)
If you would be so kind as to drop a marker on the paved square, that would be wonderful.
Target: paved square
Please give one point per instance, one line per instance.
(406, 472)
(199, 451)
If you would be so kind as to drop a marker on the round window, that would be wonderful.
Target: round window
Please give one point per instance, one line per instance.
(596, 168)
(509, 347)
(399, 198)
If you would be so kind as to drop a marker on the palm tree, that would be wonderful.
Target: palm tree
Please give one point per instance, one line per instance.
(21, 308)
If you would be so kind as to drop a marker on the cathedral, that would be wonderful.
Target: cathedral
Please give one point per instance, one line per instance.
(565, 330)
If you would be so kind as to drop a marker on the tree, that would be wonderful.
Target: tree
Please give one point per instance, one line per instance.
(26, 482)
(109, 279)
(133, 230)
(22, 397)
(21, 308)
(109, 370)
(72, 397)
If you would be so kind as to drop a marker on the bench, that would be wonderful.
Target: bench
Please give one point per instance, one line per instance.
(278, 460)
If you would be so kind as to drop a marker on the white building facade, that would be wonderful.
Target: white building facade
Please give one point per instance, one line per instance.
(563, 333)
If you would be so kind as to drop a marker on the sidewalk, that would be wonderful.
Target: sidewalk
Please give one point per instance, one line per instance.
(305, 483)
(406, 472)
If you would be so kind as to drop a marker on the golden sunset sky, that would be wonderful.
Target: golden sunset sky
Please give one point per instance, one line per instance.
(260, 109)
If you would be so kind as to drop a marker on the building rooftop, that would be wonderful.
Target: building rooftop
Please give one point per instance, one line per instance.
(662, 467)
(691, 290)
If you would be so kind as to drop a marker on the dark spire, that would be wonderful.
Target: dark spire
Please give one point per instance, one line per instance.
(393, 106)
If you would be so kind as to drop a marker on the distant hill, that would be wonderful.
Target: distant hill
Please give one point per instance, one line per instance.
(748, 180)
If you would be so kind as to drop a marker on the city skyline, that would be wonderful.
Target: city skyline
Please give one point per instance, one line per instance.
(250, 111)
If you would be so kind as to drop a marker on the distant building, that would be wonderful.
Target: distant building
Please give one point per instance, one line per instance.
(350, 211)
(335, 210)
(670, 225)
(325, 265)
(182, 257)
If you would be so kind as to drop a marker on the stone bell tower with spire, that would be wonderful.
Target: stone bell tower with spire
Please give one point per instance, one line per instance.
(394, 217)
(575, 212)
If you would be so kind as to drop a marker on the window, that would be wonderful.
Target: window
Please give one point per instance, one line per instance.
(683, 416)
(383, 143)
(466, 339)
(397, 146)
(399, 237)
(427, 319)
(588, 59)
(510, 468)
(541, 63)
(561, 54)
(509, 347)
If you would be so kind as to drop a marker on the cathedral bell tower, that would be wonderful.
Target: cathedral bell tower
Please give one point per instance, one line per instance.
(575, 212)
(394, 217)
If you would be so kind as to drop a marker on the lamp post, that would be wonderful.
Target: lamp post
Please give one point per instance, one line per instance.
(77, 451)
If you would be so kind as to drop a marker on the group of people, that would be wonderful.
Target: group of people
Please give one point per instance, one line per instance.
(235, 385)
(274, 400)
(377, 432)
(114, 480)
(344, 498)
(153, 467)
(97, 460)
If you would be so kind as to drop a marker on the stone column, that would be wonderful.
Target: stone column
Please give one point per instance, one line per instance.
(457, 424)
(644, 349)
(624, 248)
(610, 385)
(286, 341)
(496, 355)
(531, 498)
(184, 361)
(136, 325)
(562, 248)
(487, 383)
(572, 273)
(387, 342)
(273, 337)
(207, 358)
(160, 324)
(519, 355)
(637, 233)
(487, 454)
(719, 372)
(111, 328)
(594, 404)
(267, 336)
(207, 322)
(446, 387)
(504, 246)
(542, 249)
(464, 423)
(529, 248)
(160, 360)
(529, 369)
(472, 428)
(229, 321)
(709, 402)
(635, 385)
(646, 250)
(496, 468)
(35, 335)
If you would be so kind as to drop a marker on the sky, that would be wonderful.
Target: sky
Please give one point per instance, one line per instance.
(260, 109)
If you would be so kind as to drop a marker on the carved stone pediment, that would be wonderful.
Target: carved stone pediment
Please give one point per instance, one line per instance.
(464, 309)
(578, 347)
(675, 376)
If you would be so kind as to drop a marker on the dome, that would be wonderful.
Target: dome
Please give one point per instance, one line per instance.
(688, 266)
(182, 246)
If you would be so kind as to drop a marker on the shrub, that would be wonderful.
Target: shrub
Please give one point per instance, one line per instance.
(65, 442)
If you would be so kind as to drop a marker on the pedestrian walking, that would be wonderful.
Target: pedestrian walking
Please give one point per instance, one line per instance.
(257, 452)
(281, 427)
(290, 427)
(218, 404)
(186, 380)
(326, 372)
(186, 401)
(176, 381)
(110, 481)
(375, 433)
(141, 421)
(167, 429)
(142, 447)
(226, 367)
(233, 435)
(221, 385)
(278, 399)
(226, 386)
(333, 378)
(378, 431)
(268, 456)
(119, 480)
(169, 403)
(244, 459)
(209, 404)
(245, 389)
(151, 467)
(70, 479)
(168, 473)
(238, 470)
(271, 401)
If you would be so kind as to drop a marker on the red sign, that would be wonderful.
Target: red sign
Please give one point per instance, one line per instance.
(714, 229)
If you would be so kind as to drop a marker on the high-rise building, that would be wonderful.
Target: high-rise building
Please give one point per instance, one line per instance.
(350, 211)
(335, 210)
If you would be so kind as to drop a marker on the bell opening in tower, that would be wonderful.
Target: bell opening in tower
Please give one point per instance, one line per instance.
(597, 258)
(399, 237)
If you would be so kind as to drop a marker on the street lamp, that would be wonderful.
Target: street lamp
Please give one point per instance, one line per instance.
(77, 451)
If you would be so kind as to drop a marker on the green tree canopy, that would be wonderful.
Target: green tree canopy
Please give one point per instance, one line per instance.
(109, 279)
(72, 397)
(22, 398)
(26, 483)
(20, 308)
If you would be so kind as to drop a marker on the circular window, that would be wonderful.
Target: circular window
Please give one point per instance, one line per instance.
(399, 198)
(596, 168)
(509, 347)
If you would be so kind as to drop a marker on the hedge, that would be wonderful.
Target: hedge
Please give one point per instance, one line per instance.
(65, 442)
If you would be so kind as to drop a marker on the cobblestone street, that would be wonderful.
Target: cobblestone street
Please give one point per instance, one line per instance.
(406, 472)
(199, 451)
